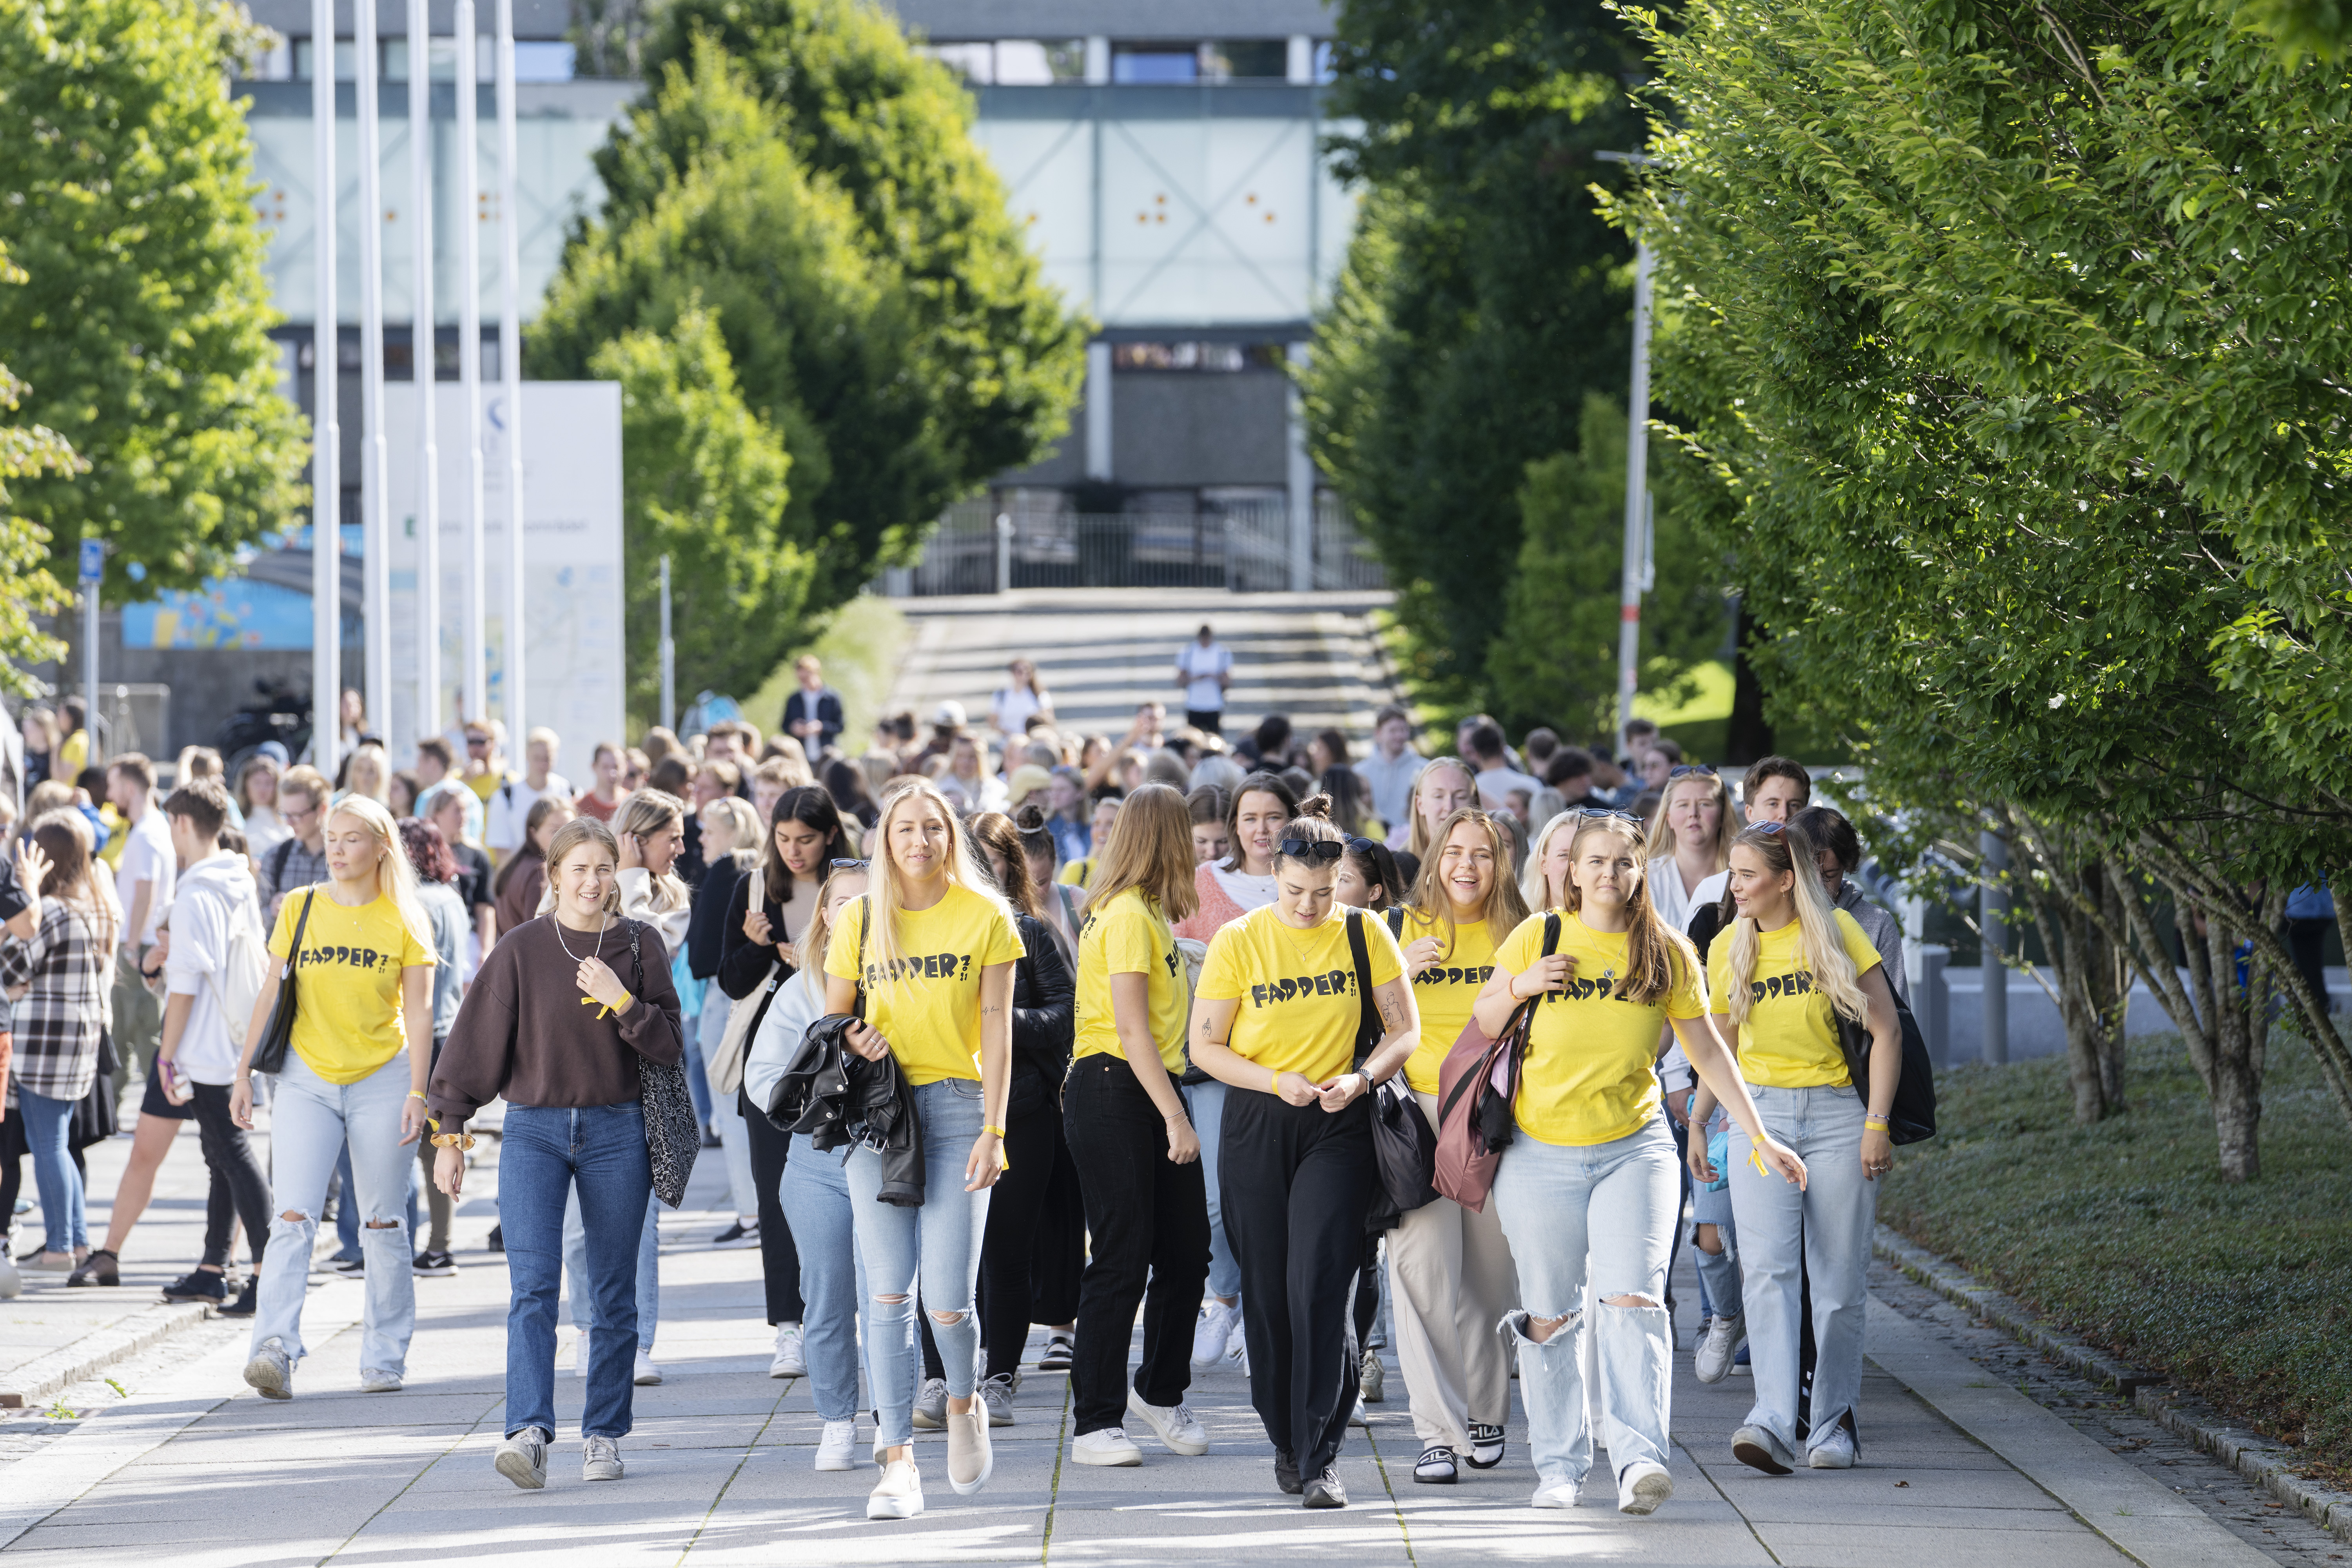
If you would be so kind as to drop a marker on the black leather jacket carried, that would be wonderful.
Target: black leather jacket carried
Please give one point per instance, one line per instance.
(837, 1097)
(1045, 1018)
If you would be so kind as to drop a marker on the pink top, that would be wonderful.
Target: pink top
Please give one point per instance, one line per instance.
(1218, 904)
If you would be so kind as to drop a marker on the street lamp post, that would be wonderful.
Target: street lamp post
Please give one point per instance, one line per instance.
(469, 361)
(326, 458)
(510, 362)
(423, 356)
(1632, 580)
(376, 533)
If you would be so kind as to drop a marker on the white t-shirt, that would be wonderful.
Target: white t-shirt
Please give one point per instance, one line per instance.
(1495, 785)
(510, 809)
(1013, 706)
(147, 857)
(1675, 907)
(1203, 666)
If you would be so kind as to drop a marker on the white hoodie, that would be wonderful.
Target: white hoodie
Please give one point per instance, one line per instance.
(211, 896)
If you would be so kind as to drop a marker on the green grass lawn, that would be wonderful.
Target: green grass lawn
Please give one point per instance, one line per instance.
(2125, 1233)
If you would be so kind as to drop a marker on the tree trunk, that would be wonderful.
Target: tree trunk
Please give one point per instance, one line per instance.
(2238, 1116)
(1749, 737)
(2063, 897)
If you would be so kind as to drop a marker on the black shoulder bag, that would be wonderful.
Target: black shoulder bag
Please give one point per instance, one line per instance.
(673, 1130)
(1913, 1118)
(1404, 1146)
(278, 1034)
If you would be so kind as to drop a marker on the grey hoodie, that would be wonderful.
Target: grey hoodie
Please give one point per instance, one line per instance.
(211, 896)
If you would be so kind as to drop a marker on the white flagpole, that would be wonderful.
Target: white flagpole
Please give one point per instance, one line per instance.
(469, 364)
(326, 460)
(375, 460)
(510, 364)
(428, 453)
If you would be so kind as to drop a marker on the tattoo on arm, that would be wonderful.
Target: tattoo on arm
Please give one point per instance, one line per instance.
(1389, 1014)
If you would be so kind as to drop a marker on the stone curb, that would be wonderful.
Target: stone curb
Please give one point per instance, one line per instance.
(95, 1351)
(2262, 1460)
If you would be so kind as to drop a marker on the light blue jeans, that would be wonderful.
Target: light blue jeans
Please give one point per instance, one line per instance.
(734, 1138)
(1604, 1215)
(577, 1274)
(1834, 1214)
(310, 1121)
(934, 1249)
(49, 1130)
(1718, 1272)
(816, 1195)
(1207, 1101)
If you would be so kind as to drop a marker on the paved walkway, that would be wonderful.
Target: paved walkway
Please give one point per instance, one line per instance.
(1958, 1469)
(1103, 651)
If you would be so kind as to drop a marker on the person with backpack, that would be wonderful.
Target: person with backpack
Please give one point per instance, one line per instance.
(1791, 965)
(509, 803)
(300, 860)
(566, 1008)
(1451, 1279)
(218, 956)
(1276, 1019)
(1587, 1191)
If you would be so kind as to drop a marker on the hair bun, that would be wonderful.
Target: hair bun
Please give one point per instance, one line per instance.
(1030, 818)
(1317, 804)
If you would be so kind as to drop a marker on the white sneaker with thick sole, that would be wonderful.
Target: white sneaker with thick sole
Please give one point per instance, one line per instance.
(271, 1371)
(1759, 1449)
(580, 1355)
(1175, 1425)
(600, 1460)
(1722, 1341)
(1111, 1446)
(898, 1494)
(971, 1458)
(837, 1450)
(996, 1395)
(379, 1382)
(791, 1359)
(1641, 1486)
(1360, 1417)
(1558, 1494)
(522, 1458)
(1834, 1452)
(1372, 1381)
(647, 1375)
(1218, 1324)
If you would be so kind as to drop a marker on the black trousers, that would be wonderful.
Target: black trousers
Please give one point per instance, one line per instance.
(1208, 721)
(2307, 940)
(780, 1261)
(1057, 1259)
(1293, 1183)
(1016, 1205)
(1150, 1219)
(229, 1156)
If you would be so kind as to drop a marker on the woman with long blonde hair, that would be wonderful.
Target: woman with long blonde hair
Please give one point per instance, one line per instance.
(1137, 1155)
(1588, 1191)
(1450, 1273)
(1439, 790)
(354, 1072)
(1690, 839)
(932, 950)
(1792, 964)
(568, 1009)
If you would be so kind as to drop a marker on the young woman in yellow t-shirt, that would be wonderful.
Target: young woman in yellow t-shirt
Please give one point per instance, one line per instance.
(363, 990)
(1450, 1274)
(1588, 1191)
(1789, 964)
(1276, 1019)
(938, 945)
(1138, 1156)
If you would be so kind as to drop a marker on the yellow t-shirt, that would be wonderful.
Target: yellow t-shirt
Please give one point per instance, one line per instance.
(1129, 936)
(1789, 1040)
(347, 994)
(1077, 873)
(485, 784)
(1444, 991)
(1590, 1076)
(929, 1008)
(1298, 988)
(73, 755)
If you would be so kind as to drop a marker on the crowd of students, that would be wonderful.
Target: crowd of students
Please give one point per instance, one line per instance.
(1102, 1023)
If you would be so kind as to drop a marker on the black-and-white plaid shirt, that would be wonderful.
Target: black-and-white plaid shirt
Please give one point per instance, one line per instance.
(69, 965)
(287, 867)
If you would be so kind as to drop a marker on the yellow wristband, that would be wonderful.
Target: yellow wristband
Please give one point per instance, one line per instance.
(1876, 1123)
(1274, 1081)
(998, 1131)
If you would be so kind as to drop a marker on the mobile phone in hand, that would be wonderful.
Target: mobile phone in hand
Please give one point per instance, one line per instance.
(176, 1089)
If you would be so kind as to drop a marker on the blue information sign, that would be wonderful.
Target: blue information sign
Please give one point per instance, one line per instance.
(94, 560)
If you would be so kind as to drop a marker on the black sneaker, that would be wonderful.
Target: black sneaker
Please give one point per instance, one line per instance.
(438, 1265)
(99, 1268)
(737, 1235)
(1326, 1490)
(197, 1285)
(498, 1239)
(242, 1306)
(348, 1268)
(1285, 1472)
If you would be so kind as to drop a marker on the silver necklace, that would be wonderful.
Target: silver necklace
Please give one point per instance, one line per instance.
(602, 916)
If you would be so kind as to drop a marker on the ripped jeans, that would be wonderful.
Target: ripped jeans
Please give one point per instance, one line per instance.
(1611, 1206)
(310, 1120)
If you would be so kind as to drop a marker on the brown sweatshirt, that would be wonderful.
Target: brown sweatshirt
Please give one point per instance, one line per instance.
(525, 1034)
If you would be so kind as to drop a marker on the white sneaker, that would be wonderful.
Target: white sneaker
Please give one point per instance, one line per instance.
(522, 1458)
(379, 1382)
(996, 1395)
(837, 1450)
(1834, 1452)
(971, 1458)
(1218, 1324)
(1373, 1381)
(1110, 1446)
(1237, 1358)
(791, 1354)
(580, 1355)
(1175, 1424)
(12, 1283)
(1641, 1486)
(1722, 1341)
(271, 1371)
(931, 1405)
(1361, 1418)
(898, 1494)
(647, 1374)
(1558, 1494)
(600, 1459)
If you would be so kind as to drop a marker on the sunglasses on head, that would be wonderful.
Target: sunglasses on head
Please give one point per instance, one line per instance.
(1359, 845)
(1768, 828)
(1324, 849)
(1607, 814)
(848, 865)
(1684, 769)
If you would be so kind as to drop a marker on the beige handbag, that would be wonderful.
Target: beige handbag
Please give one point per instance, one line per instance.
(725, 1068)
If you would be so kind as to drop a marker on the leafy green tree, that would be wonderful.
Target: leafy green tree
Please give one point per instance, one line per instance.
(704, 483)
(141, 331)
(1556, 661)
(976, 362)
(2013, 336)
(26, 450)
(1483, 295)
